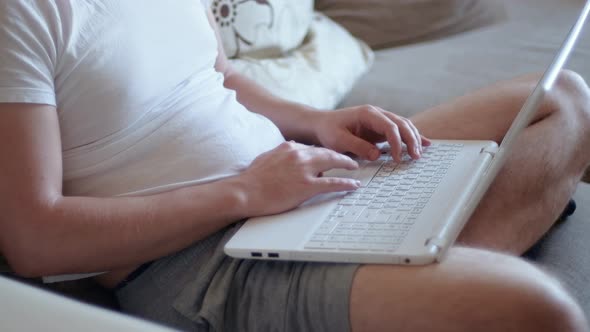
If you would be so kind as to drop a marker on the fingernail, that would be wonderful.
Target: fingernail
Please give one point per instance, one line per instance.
(358, 183)
(417, 152)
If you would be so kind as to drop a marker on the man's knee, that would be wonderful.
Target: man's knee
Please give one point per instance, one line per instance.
(571, 96)
(547, 307)
(572, 83)
(526, 299)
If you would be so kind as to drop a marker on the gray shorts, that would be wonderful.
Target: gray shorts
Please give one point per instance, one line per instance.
(202, 289)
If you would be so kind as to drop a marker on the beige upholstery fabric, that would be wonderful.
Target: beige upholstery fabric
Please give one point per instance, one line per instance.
(565, 250)
(413, 78)
(262, 27)
(386, 23)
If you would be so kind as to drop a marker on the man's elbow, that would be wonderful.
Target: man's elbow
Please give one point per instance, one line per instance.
(22, 242)
(228, 73)
(23, 267)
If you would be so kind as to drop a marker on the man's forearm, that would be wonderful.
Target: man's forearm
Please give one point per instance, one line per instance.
(291, 118)
(80, 235)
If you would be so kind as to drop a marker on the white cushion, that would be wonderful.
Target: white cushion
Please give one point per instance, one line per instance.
(319, 73)
(262, 27)
(26, 308)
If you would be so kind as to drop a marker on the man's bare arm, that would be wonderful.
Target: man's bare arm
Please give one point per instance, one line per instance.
(288, 116)
(345, 131)
(43, 232)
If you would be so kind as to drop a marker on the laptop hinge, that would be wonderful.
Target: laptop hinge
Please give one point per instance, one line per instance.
(488, 150)
(436, 242)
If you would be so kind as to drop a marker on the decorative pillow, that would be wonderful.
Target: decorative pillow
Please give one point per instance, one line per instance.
(319, 73)
(262, 27)
(387, 23)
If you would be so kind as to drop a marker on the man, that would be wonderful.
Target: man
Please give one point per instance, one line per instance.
(124, 144)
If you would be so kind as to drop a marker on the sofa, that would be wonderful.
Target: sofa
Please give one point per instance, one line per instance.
(407, 79)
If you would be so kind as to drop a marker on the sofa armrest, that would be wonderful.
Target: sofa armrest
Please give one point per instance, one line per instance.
(26, 308)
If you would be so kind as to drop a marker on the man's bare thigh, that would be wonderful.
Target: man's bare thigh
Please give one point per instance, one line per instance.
(471, 290)
(485, 114)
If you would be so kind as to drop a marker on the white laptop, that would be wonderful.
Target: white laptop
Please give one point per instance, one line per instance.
(407, 213)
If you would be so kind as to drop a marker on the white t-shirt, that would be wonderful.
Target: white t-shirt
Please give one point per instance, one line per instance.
(141, 108)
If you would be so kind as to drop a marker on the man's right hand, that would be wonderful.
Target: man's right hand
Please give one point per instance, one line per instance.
(283, 178)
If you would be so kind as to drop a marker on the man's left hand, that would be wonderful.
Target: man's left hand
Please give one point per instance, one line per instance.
(357, 129)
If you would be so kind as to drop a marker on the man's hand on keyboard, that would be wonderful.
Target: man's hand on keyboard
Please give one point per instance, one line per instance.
(287, 176)
(358, 129)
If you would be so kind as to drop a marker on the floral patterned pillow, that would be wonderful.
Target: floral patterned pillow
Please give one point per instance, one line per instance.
(319, 73)
(264, 28)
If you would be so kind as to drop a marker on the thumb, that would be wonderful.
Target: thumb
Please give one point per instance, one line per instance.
(351, 143)
(329, 185)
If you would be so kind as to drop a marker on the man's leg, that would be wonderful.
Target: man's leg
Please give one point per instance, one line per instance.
(474, 290)
(542, 172)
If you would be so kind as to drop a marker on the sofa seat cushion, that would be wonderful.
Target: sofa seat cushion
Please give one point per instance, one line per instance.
(565, 251)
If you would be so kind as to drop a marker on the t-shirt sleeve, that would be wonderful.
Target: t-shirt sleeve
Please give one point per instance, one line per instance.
(29, 31)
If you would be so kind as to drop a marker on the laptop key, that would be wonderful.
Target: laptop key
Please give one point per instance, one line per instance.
(319, 238)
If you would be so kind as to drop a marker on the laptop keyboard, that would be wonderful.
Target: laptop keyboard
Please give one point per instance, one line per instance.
(380, 214)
